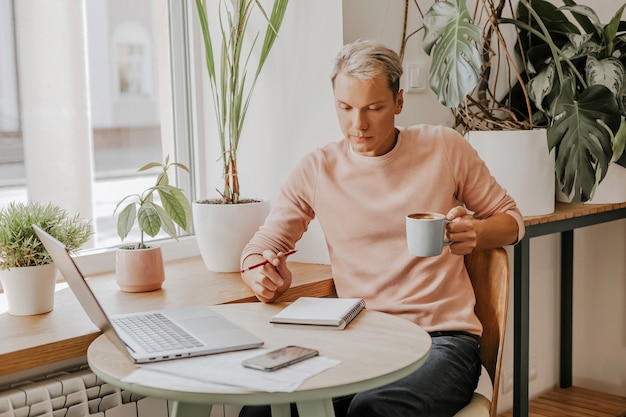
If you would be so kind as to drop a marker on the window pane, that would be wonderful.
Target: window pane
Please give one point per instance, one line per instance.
(11, 150)
(125, 105)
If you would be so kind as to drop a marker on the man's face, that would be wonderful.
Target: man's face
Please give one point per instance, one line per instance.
(366, 112)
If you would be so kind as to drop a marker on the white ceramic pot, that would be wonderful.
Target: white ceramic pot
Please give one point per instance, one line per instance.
(520, 161)
(29, 290)
(611, 190)
(222, 231)
(139, 270)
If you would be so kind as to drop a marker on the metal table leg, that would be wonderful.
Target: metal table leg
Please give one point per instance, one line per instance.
(521, 292)
(567, 292)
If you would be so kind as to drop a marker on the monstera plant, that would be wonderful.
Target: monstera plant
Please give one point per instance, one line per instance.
(563, 70)
(576, 70)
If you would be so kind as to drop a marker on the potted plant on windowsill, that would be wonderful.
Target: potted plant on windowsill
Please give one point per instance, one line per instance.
(27, 272)
(139, 267)
(224, 225)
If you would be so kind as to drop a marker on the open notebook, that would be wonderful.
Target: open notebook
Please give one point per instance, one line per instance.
(151, 336)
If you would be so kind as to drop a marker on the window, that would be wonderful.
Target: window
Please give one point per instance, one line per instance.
(130, 120)
(129, 69)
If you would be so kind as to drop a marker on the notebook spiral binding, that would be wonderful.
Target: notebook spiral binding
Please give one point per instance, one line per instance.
(353, 313)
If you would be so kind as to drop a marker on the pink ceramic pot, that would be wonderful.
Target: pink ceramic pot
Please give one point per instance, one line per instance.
(139, 270)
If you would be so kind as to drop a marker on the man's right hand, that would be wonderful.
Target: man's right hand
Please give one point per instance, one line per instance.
(269, 281)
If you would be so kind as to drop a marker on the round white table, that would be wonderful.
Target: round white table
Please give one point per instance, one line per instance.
(374, 349)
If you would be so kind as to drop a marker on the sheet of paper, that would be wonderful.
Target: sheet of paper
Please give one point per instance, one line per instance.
(200, 373)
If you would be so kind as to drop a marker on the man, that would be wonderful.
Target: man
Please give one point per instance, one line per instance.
(361, 189)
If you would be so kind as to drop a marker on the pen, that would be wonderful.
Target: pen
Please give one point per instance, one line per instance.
(251, 267)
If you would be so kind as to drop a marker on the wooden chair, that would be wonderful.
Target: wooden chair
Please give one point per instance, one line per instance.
(489, 272)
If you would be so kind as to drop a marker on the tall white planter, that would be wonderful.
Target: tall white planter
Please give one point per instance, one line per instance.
(520, 161)
(30, 289)
(222, 231)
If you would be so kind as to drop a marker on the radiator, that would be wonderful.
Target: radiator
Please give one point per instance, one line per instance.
(79, 393)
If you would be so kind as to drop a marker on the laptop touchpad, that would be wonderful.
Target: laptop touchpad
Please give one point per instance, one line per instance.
(205, 324)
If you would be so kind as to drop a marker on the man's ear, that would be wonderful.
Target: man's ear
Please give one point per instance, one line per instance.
(399, 101)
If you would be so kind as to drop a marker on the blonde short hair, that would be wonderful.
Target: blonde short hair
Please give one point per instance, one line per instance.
(364, 59)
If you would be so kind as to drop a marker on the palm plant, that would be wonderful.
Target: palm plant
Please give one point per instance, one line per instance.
(231, 85)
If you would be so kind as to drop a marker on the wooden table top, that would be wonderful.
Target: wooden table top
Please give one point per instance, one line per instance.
(374, 349)
(564, 211)
(28, 342)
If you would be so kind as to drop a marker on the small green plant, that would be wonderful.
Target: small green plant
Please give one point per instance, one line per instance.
(151, 217)
(19, 244)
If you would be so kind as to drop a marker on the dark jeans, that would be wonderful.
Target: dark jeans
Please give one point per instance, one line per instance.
(439, 388)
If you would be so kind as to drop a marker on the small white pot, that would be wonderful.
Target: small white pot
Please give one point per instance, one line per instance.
(139, 270)
(222, 231)
(29, 290)
(520, 161)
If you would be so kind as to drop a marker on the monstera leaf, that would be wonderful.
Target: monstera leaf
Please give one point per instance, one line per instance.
(452, 41)
(582, 133)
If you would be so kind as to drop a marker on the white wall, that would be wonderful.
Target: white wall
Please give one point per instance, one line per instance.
(600, 266)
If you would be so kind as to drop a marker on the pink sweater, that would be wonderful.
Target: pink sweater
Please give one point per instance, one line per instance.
(361, 203)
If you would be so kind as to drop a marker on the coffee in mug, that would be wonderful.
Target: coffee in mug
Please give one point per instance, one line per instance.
(425, 233)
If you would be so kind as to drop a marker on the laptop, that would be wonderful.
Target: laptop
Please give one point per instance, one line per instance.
(194, 330)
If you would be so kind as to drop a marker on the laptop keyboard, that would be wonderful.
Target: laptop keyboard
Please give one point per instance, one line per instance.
(155, 332)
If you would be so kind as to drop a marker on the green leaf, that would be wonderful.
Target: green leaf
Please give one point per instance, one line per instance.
(181, 166)
(149, 220)
(541, 85)
(608, 72)
(610, 30)
(126, 220)
(619, 141)
(453, 42)
(176, 205)
(149, 166)
(581, 133)
(585, 16)
(166, 223)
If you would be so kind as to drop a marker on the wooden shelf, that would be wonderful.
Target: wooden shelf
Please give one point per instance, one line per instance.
(575, 402)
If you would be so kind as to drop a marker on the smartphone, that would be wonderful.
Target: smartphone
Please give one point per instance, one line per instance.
(280, 358)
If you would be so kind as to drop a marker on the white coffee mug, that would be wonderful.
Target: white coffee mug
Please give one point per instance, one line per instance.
(425, 233)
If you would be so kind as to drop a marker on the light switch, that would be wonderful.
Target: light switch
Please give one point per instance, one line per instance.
(415, 80)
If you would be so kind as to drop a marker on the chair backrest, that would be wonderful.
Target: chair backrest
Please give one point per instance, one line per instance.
(489, 273)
